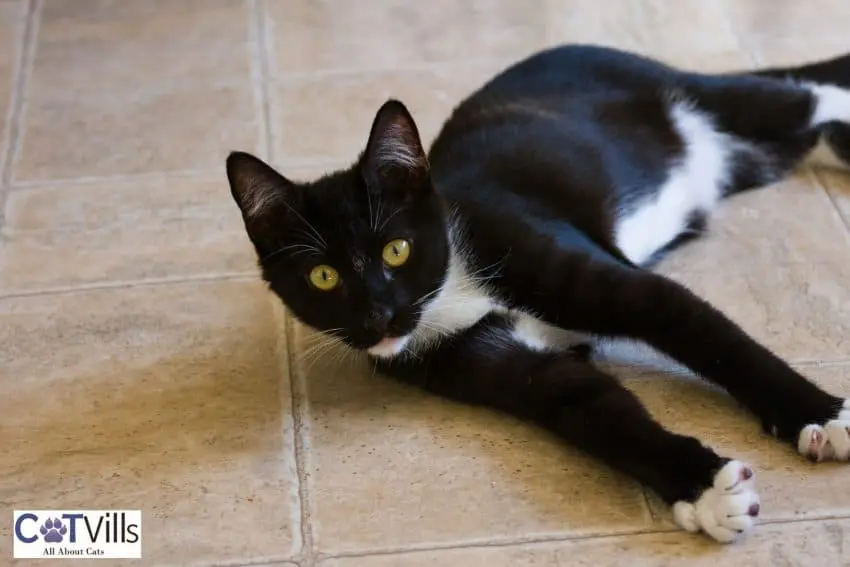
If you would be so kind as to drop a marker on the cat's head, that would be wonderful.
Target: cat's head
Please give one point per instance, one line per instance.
(358, 252)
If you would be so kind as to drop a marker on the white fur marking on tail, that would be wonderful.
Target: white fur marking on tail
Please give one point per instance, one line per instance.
(832, 104)
(694, 184)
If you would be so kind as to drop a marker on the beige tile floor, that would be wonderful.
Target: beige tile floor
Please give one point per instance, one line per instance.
(142, 364)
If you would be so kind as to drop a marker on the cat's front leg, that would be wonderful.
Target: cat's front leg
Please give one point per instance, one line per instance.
(594, 412)
(624, 302)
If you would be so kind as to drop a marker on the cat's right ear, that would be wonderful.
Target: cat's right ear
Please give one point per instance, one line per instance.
(258, 190)
(394, 149)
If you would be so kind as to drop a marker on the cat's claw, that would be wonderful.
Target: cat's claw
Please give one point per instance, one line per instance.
(727, 510)
(830, 441)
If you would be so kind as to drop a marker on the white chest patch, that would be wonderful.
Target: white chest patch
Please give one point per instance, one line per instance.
(539, 335)
(461, 302)
(693, 184)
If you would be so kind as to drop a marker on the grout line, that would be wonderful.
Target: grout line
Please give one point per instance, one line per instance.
(818, 179)
(447, 65)
(300, 418)
(261, 562)
(261, 71)
(645, 493)
(298, 389)
(820, 362)
(153, 176)
(14, 114)
(825, 518)
(82, 288)
(16, 127)
(457, 546)
(121, 178)
(558, 539)
(494, 544)
(120, 96)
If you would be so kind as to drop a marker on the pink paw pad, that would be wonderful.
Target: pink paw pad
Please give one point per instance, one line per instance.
(813, 443)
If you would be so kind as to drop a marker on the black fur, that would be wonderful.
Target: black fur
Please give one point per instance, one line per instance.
(535, 164)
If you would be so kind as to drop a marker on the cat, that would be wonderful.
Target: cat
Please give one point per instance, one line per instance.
(485, 269)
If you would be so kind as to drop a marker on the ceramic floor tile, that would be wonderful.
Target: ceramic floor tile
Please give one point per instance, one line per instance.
(151, 229)
(790, 487)
(581, 21)
(190, 129)
(837, 184)
(788, 32)
(651, 27)
(5, 104)
(823, 544)
(391, 466)
(133, 45)
(308, 131)
(801, 311)
(165, 398)
(313, 36)
(12, 22)
(791, 221)
(799, 49)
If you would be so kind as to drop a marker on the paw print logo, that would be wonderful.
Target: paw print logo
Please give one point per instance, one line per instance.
(53, 530)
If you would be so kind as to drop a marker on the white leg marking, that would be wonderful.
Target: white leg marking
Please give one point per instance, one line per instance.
(828, 442)
(832, 104)
(693, 184)
(727, 510)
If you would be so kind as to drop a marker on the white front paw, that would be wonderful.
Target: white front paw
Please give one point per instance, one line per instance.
(725, 511)
(828, 442)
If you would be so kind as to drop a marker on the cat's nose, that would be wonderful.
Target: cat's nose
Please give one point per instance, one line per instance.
(379, 318)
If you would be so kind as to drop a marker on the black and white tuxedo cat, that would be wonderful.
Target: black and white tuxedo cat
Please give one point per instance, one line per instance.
(536, 213)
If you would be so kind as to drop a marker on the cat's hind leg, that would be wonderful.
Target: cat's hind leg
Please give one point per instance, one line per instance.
(833, 146)
(775, 124)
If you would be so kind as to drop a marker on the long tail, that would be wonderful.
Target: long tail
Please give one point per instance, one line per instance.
(834, 149)
(835, 71)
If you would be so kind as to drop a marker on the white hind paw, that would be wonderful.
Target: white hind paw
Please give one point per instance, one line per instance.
(828, 442)
(725, 511)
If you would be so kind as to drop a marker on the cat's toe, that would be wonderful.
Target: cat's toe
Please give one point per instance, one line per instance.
(830, 441)
(727, 509)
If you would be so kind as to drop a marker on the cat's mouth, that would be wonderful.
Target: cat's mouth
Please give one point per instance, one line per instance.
(388, 346)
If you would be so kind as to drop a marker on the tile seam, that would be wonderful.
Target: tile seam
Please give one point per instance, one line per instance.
(223, 276)
(300, 416)
(517, 542)
(261, 78)
(14, 112)
(306, 558)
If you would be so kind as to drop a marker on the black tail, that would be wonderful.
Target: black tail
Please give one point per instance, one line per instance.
(835, 71)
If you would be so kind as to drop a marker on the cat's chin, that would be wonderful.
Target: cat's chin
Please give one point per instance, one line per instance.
(388, 347)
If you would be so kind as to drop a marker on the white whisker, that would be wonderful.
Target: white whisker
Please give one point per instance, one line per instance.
(310, 226)
(388, 219)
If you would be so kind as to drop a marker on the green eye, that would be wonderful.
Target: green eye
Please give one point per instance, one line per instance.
(324, 278)
(396, 252)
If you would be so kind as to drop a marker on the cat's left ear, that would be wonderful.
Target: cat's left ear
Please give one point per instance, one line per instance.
(394, 149)
(262, 194)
